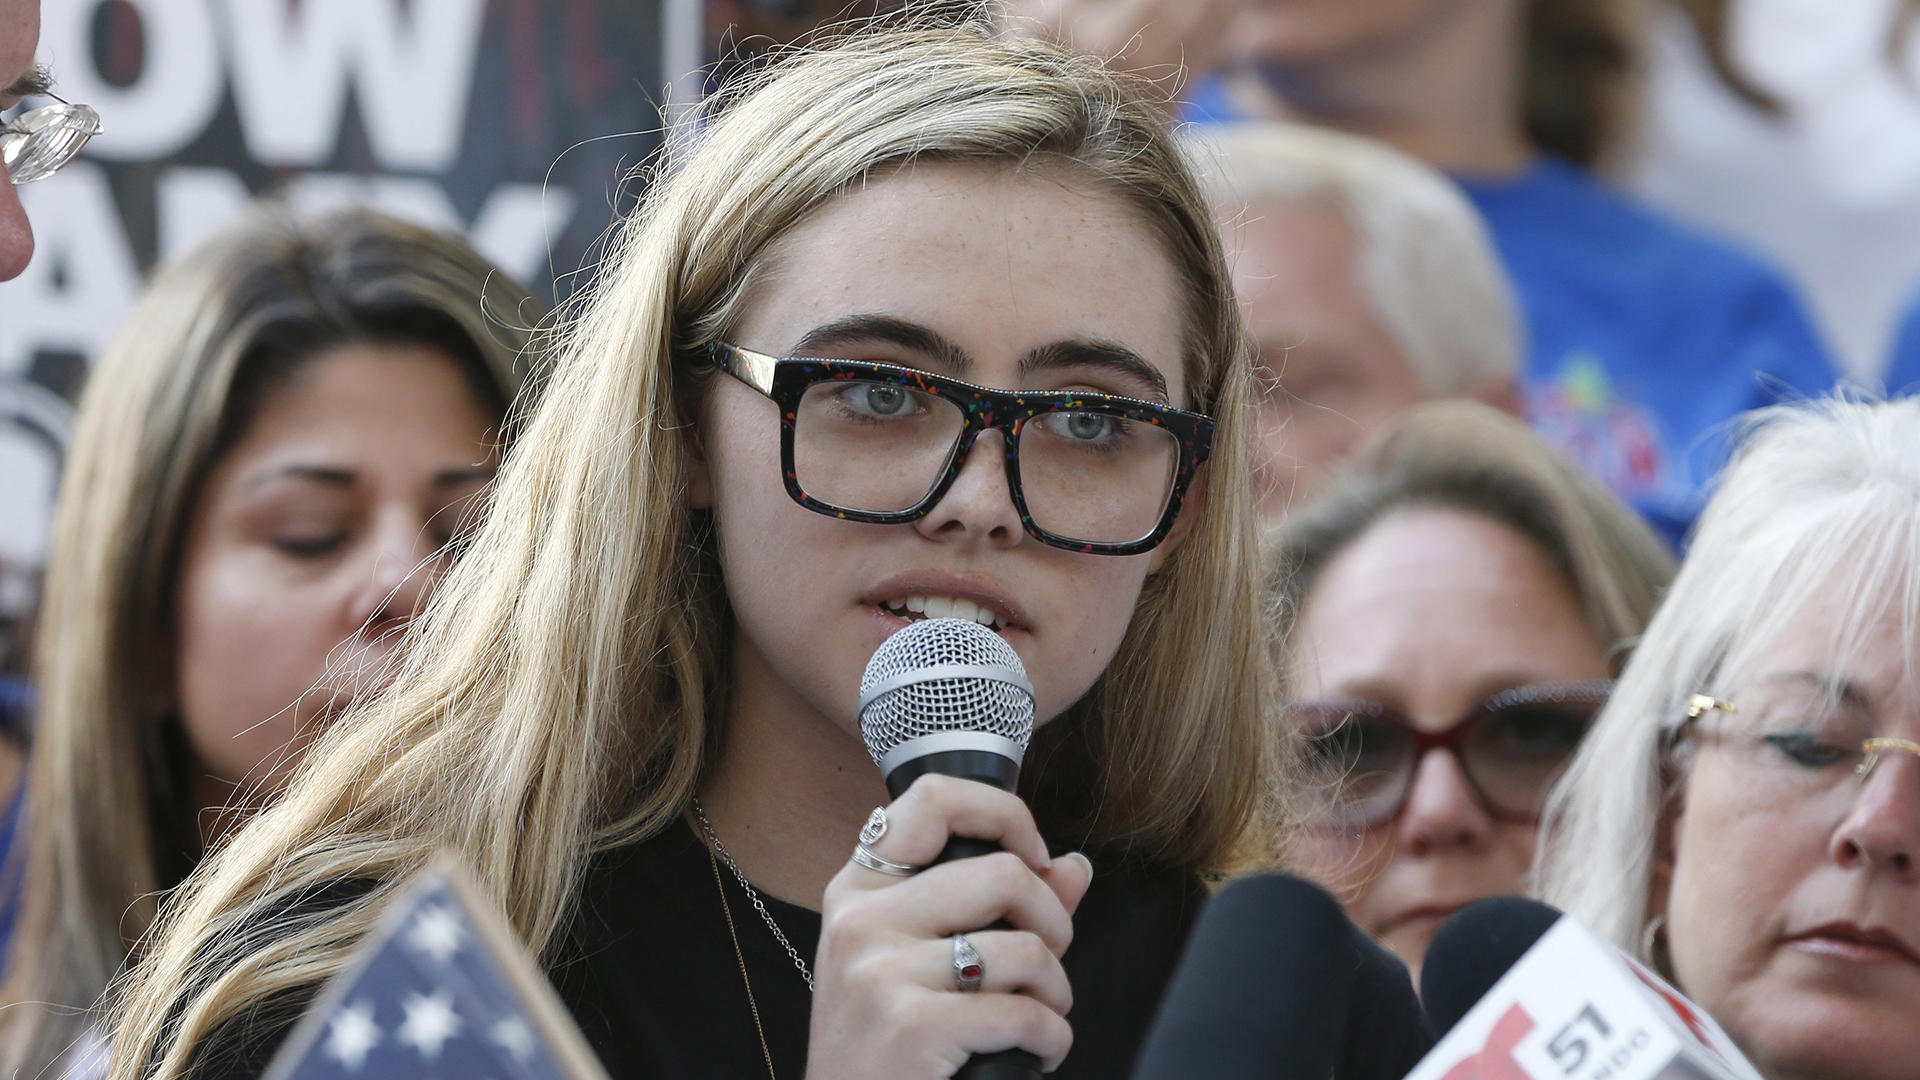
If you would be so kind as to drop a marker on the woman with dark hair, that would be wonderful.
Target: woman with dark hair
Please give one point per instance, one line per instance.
(270, 460)
(1643, 337)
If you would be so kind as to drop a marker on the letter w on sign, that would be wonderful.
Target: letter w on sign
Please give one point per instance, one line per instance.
(441, 988)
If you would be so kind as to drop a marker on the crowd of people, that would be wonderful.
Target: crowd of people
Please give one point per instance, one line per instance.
(1369, 491)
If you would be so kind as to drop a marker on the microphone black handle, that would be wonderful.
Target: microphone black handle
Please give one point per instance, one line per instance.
(1003, 773)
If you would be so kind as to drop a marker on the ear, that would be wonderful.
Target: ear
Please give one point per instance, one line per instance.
(1502, 394)
(1666, 842)
(1193, 506)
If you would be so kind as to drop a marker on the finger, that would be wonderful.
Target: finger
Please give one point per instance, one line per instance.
(1011, 962)
(936, 808)
(965, 895)
(989, 1023)
(1069, 877)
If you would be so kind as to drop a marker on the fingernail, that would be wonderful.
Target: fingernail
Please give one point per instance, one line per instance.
(1088, 862)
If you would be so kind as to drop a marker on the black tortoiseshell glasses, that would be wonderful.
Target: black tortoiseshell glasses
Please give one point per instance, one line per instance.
(1362, 756)
(880, 443)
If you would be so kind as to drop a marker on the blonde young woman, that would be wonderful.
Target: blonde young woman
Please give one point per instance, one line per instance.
(630, 706)
(1453, 608)
(1746, 812)
(268, 458)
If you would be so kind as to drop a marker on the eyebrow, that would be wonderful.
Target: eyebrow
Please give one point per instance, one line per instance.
(1078, 353)
(1105, 355)
(320, 474)
(1850, 692)
(37, 81)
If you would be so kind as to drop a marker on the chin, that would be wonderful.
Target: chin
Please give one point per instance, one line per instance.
(1799, 1033)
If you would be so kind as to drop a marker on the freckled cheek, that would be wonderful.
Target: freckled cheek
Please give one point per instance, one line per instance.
(1082, 618)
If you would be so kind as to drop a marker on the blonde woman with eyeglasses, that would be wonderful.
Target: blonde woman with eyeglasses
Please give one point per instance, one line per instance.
(1745, 814)
(925, 324)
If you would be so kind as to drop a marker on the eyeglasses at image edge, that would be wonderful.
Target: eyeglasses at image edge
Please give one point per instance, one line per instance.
(787, 380)
(65, 127)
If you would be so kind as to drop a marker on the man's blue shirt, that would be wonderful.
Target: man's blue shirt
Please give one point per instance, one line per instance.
(1644, 339)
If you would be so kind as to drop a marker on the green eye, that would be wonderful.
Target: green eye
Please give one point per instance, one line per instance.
(882, 399)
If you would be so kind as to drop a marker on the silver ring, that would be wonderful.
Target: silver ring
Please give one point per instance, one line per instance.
(875, 828)
(968, 968)
(865, 857)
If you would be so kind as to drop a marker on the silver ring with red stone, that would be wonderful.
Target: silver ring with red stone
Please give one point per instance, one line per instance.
(968, 968)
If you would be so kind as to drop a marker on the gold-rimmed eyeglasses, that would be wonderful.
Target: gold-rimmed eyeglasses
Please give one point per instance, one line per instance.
(36, 143)
(1807, 746)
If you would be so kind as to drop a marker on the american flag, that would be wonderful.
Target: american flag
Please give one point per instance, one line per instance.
(442, 988)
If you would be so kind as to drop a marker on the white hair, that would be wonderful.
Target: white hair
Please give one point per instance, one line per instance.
(1429, 269)
(1821, 500)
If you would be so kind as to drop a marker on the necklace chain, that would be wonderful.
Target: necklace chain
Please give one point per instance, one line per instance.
(753, 894)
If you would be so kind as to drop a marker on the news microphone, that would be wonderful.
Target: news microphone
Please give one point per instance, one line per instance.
(1471, 951)
(1276, 983)
(950, 696)
(1523, 992)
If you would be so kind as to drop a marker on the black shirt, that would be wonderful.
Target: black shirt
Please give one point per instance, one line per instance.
(654, 982)
(649, 972)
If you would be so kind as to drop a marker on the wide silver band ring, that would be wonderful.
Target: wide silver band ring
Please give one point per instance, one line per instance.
(968, 968)
(864, 855)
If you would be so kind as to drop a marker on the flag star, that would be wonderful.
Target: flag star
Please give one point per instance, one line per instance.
(352, 1033)
(513, 1033)
(430, 1022)
(437, 933)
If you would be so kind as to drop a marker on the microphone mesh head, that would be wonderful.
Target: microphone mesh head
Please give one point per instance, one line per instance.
(964, 703)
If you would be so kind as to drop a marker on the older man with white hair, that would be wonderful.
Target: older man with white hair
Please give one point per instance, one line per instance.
(1368, 285)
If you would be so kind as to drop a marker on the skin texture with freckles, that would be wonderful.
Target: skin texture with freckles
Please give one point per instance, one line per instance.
(312, 542)
(999, 264)
(1759, 876)
(1429, 612)
(19, 36)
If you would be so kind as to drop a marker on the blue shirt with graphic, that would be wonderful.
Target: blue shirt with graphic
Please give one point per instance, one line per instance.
(1644, 339)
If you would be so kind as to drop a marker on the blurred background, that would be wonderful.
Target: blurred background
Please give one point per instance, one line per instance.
(1789, 129)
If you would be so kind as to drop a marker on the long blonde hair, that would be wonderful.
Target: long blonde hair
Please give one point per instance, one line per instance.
(108, 821)
(560, 695)
(1821, 499)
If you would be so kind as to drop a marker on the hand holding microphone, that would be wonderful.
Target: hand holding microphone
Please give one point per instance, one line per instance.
(944, 702)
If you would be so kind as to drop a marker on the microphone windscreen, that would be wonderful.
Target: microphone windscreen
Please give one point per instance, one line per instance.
(1276, 983)
(943, 675)
(1473, 949)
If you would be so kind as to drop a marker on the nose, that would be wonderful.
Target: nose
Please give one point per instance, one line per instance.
(400, 569)
(1442, 816)
(16, 233)
(1881, 833)
(978, 508)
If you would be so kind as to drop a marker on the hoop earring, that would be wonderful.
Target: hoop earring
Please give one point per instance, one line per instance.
(1653, 946)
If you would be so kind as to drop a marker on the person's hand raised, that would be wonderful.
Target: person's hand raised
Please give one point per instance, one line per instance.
(888, 1005)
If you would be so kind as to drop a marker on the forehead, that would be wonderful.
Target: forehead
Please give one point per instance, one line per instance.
(998, 260)
(1851, 628)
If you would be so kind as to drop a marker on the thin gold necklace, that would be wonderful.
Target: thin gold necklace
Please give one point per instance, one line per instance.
(727, 910)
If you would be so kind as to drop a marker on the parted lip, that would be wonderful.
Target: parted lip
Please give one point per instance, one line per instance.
(1853, 933)
(978, 588)
(1439, 912)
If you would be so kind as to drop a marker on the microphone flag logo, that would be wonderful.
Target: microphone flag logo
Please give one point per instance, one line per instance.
(441, 988)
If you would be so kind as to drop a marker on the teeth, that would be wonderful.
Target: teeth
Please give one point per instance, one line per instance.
(944, 607)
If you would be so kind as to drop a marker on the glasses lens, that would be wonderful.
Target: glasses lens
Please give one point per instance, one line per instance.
(1358, 766)
(41, 141)
(872, 446)
(1515, 753)
(1096, 478)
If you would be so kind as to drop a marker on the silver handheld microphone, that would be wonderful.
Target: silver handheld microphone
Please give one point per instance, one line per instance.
(946, 694)
(950, 696)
